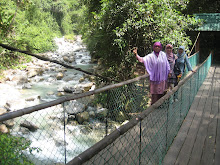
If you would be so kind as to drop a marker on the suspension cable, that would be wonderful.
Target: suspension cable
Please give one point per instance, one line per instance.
(194, 43)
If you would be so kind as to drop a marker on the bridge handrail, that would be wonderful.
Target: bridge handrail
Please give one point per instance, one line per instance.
(95, 149)
(42, 106)
(118, 103)
(63, 99)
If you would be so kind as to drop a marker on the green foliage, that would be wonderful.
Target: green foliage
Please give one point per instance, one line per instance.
(115, 27)
(6, 18)
(32, 25)
(12, 150)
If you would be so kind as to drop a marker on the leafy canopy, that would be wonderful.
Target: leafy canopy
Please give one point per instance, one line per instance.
(113, 27)
(32, 25)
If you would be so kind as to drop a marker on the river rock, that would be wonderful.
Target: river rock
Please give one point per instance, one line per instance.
(75, 107)
(8, 105)
(26, 86)
(73, 123)
(86, 87)
(66, 59)
(29, 125)
(83, 61)
(92, 114)
(92, 88)
(82, 117)
(20, 79)
(81, 79)
(2, 111)
(68, 89)
(59, 94)
(9, 123)
(24, 130)
(32, 73)
(4, 129)
(59, 76)
(30, 99)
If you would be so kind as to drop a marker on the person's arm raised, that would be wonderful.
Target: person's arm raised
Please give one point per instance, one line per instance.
(140, 59)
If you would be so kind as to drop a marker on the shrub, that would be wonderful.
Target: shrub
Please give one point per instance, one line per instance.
(13, 150)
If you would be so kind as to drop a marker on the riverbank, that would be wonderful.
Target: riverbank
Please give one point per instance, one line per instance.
(42, 81)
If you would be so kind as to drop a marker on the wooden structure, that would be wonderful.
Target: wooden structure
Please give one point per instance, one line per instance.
(198, 140)
(209, 37)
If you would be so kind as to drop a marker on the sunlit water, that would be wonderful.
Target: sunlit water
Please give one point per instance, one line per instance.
(49, 138)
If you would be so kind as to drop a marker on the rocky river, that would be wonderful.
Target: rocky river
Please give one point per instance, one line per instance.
(57, 139)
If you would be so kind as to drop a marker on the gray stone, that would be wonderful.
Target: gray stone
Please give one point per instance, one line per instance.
(82, 117)
(29, 125)
(75, 107)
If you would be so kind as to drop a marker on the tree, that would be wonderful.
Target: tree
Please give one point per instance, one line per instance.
(113, 27)
(32, 25)
(202, 6)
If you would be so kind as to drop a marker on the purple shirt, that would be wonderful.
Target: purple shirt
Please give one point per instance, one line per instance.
(157, 67)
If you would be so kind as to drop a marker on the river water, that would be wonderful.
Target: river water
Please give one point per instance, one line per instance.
(50, 137)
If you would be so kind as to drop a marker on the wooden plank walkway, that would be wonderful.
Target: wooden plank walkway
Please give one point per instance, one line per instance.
(198, 140)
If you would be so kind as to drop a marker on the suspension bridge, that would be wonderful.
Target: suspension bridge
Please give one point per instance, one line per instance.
(116, 125)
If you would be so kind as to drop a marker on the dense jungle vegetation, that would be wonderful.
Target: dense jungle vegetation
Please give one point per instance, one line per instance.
(33, 24)
(110, 28)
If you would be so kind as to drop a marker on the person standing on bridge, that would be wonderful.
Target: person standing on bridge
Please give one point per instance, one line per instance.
(171, 59)
(158, 68)
(180, 64)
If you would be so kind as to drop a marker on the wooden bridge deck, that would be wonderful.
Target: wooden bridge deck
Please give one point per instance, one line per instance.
(198, 140)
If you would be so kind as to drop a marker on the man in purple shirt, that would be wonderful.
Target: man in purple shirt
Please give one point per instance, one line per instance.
(158, 68)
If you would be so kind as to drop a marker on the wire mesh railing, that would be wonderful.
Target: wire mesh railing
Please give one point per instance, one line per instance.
(194, 61)
(64, 128)
(60, 130)
(146, 138)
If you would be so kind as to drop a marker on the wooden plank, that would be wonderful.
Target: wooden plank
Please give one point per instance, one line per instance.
(209, 148)
(185, 152)
(217, 150)
(186, 149)
(175, 148)
(202, 133)
(217, 141)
